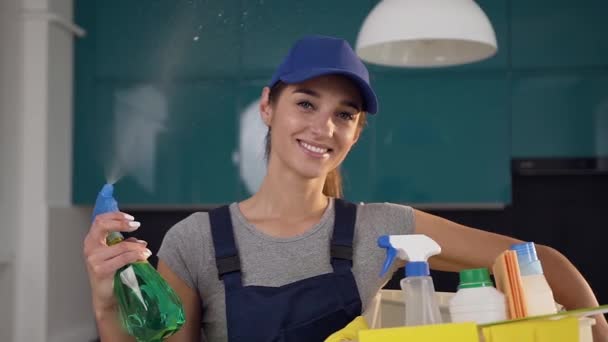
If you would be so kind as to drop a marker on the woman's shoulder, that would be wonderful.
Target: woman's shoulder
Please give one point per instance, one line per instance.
(191, 223)
(187, 246)
(198, 224)
(184, 248)
(384, 208)
(386, 217)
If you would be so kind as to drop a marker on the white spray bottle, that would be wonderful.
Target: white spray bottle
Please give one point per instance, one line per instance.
(420, 300)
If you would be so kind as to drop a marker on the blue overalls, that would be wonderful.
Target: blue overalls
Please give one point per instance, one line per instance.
(308, 310)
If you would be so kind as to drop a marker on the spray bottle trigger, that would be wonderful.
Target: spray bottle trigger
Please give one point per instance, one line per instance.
(391, 253)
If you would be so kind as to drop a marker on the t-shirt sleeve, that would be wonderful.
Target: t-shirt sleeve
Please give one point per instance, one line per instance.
(391, 218)
(373, 221)
(404, 219)
(177, 250)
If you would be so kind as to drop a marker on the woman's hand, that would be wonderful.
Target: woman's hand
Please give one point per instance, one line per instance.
(102, 260)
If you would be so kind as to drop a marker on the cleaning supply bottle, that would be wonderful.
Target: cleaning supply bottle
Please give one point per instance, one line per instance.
(421, 305)
(477, 300)
(538, 294)
(149, 309)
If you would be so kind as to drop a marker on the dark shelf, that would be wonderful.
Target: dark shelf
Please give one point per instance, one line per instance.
(560, 166)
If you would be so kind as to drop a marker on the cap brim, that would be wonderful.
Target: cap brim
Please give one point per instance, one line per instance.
(370, 104)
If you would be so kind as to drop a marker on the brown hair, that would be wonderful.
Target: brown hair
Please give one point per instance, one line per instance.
(333, 181)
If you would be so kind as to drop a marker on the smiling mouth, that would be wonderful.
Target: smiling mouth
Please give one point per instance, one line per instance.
(314, 149)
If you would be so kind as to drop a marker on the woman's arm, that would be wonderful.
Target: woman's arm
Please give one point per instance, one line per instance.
(464, 247)
(191, 330)
(109, 327)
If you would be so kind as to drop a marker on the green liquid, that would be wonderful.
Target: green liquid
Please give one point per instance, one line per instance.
(149, 309)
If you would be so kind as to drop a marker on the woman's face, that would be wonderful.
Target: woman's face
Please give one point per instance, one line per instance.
(313, 124)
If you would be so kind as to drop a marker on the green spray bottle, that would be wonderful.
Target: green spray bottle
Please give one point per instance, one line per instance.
(149, 309)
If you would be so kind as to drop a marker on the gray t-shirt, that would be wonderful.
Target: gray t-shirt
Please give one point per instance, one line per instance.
(188, 250)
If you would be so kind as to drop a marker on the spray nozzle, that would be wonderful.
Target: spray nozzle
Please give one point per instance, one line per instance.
(106, 203)
(107, 190)
(416, 248)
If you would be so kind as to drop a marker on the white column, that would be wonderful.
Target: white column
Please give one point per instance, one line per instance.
(40, 230)
(44, 290)
(70, 315)
(31, 256)
(10, 156)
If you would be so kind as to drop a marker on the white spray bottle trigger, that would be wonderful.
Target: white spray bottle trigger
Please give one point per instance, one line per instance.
(413, 247)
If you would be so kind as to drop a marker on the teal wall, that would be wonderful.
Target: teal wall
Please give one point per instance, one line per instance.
(559, 60)
(442, 135)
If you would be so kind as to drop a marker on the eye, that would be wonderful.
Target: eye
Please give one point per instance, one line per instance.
(346, 116)
(306, 105)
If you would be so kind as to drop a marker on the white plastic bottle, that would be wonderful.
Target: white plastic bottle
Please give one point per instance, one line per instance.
(421, 305)
(538, 294)
(476, 299)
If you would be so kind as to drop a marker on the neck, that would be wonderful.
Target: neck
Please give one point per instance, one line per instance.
(285, 194)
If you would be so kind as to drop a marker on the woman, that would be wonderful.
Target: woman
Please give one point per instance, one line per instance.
(294, 262)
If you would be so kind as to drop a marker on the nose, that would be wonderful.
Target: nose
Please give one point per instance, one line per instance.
(322, 125)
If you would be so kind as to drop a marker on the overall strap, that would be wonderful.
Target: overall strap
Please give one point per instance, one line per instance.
(226, 254)
(342, 239)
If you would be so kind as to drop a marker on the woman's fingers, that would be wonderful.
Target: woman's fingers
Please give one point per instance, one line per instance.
(134, 239)
(105, 261)
(105, 253)
(106, 223)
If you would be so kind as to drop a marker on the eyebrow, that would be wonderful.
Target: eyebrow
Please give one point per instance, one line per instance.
(317, 95)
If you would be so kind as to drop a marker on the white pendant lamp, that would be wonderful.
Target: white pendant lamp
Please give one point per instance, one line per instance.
(426, 33)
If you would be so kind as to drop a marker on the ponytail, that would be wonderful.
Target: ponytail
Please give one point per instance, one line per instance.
(333, 184)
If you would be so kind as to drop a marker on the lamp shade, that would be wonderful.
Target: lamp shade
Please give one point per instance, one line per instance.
(426, 33)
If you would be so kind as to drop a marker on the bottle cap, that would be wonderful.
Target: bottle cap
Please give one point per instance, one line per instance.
(526, 252)
(527, 258)
(476, 277)
(417, 269)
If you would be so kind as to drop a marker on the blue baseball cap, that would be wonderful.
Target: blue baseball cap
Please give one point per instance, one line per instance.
(313, 56)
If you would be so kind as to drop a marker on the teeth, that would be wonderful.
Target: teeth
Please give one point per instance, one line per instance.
(313, 148)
